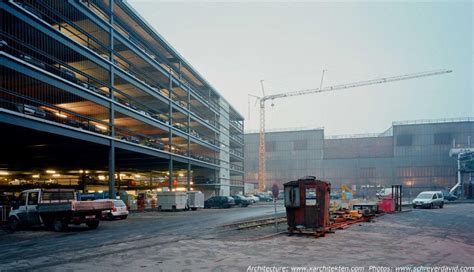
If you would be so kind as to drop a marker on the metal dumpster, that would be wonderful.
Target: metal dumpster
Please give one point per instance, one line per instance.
(307, 204)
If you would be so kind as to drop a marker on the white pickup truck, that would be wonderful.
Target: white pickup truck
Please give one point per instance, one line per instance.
(55, 209)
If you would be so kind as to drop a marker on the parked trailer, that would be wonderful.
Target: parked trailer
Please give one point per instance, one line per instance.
(55, 209)
(195, 200)
(172, 201)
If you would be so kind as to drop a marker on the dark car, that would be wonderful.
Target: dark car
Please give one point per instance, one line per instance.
(264, 198)
(219, 202)
(241, 201)
(132, 139)
(67, 74)
(33, 61)
(31, 110)
(449, 197)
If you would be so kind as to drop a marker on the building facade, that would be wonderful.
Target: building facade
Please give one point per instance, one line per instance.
(414, 154)
(92, 97)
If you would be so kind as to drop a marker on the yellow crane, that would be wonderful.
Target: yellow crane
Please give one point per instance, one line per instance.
(262, 99)
(344, 190)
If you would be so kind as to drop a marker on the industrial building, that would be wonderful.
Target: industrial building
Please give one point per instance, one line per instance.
(414, 154)
(93, 98)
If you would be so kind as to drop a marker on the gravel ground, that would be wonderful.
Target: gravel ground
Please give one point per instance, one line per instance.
(420, 237)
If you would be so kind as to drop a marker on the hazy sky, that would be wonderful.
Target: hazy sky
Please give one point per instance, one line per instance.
(236, 44)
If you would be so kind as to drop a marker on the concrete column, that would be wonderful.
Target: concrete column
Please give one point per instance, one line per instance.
(111, 108)
(189, 176)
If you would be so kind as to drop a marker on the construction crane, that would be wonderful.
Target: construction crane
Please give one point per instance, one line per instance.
(262, 99)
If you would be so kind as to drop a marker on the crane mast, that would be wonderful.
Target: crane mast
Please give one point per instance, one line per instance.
(264, 98)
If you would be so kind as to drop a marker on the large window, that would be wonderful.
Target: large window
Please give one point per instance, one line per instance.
(442, 139)
(270, 146)
(404, 140)
(368, 172)
(300, 145)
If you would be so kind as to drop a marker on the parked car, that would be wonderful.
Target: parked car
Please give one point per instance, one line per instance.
(33, 61)
(429, 199)
(119, 209)
(252, 198)
(31, 110)
(132, 139)
(219, 202)
(264, 198)
(448, 196)
(241, 201)
(67, 74)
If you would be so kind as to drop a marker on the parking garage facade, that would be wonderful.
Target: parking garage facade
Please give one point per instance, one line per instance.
(93, 98)
(415, 154)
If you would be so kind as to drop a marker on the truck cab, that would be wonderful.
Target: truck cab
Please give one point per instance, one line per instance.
(26, 208)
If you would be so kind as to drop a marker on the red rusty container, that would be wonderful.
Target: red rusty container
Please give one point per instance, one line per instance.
(387, 204)
(307, 204)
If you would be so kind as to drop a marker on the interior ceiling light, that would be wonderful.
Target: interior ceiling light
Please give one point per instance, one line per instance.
(61, 115)
(50, 171)
(4, 173)
(101, 127)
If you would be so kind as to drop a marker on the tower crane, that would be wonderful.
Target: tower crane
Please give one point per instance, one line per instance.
(262, 99)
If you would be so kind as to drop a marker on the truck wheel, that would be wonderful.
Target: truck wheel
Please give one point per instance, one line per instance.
(193, 209)
(441, 205)
(93, 224)
(14, 224)
(59, 225)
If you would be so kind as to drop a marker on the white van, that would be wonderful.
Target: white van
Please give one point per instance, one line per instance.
(429, 199)
(384, 192)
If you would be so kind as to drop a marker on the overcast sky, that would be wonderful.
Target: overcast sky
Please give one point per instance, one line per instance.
(236, 44)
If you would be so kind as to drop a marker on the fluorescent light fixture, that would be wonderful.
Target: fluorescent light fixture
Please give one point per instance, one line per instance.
(56, 175)
(4, 173)
(61, 115)
(100, 192)
(191, 182)
(101, 177)
(35, 176)
(181, 174)
(101, 127)
(137, 176)
(50, 171)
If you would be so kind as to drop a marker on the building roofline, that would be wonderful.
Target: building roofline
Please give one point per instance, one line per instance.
(433, 121)
(387, 133)
(256, 131)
